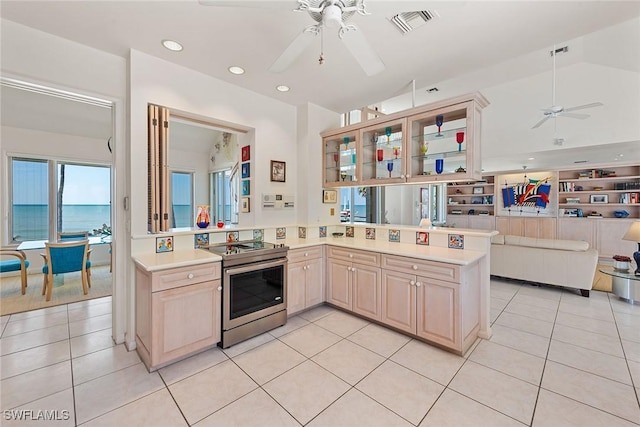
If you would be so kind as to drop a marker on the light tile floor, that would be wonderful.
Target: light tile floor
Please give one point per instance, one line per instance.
(556, 359)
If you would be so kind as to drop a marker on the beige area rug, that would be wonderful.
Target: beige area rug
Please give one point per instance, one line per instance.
(67, 288)
(601, 281)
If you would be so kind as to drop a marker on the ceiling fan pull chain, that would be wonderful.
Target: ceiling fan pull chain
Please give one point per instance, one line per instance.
(321, 59)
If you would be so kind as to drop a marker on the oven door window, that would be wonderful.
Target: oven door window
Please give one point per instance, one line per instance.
(253, 291)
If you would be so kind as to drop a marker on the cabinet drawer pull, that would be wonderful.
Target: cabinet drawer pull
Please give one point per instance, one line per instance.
(190, 276)
(412, 282)
(219, 288)
(418, 284)
(350, 255)
(415, 267)
(306, 254)
(353, 269)
(348, 268)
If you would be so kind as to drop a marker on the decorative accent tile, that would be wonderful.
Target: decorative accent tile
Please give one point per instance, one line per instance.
(200, 240)
(394, 235)
(302, 232)
(422, 238)
(350, 231)
(456, 241)
(281, 233)
(258, 235)
(322, 231)
(233, 236)
(164, 244)
(370, 233)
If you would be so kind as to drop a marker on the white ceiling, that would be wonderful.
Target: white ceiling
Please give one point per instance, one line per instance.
(472, 46)
(469, 35)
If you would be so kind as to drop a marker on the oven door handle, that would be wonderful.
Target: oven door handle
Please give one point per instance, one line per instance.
(254, 267)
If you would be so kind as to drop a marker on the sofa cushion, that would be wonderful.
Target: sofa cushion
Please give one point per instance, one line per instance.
(567, 245)
(498, 239)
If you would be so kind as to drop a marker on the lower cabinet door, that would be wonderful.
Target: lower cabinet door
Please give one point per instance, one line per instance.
(366, 291)
(399, 300)
(184, 320)
(339, 283)
(438, 312)
(296, 282)
(315, 283)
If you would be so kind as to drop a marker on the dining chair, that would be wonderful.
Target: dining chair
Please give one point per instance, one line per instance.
(66, 257)
(72, 235)
(20, 264)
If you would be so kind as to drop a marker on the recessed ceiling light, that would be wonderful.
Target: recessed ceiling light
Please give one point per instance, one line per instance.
(172, 45)
(532, 158)
(236, 70)
(282, 88)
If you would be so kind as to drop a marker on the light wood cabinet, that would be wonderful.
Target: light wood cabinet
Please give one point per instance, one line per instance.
(577, 229)
(305, 279)
(177, 312)
(539, 228)
(408, 143)
(354, 281)
(436, 301)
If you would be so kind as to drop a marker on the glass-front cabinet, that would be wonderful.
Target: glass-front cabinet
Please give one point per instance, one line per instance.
(383, 147)
(445, 144)
(340, 160)
(438, 142)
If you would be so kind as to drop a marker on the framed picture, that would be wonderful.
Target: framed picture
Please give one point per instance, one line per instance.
(478, 190)
(246, 170)
(164, 244)
(246, 187)
(278, 171)
(329, 196)
(245, 205)
(599, 198)
(246, 153)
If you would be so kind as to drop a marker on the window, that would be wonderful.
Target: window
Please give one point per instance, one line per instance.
(221, 196)
(182, 212)
(48, 196)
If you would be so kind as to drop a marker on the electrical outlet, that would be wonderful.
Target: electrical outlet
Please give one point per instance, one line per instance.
(333, 211)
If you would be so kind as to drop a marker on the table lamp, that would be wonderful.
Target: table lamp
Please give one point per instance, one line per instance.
(633, 234)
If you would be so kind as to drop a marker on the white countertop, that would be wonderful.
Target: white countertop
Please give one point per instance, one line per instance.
(177, 258)
(429, 253)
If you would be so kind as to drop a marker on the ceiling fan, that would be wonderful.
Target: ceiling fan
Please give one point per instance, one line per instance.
(328, 14)
(558, 110)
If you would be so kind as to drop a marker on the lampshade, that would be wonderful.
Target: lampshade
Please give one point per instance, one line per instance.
(633, 233)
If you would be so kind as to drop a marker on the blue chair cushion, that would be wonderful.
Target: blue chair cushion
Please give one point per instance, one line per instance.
(45, 268)
(12, 265)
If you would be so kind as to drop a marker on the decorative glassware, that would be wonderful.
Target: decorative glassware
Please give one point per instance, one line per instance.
(424, 148)
(439, 122)
(390, 167)
(374, 138)
(396, 151)
(202, 218)
(460, 140)
(380, 154)
(343, 175)
(336, 157)
(346, 142)
(439, 166)
(387, 131)
(353, 158)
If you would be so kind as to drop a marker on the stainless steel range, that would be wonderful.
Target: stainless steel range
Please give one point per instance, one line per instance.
(254, 288)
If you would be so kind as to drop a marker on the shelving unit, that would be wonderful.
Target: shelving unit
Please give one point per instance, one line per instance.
(601, 191)
(340, 160)
(383, 148)
(475, 198)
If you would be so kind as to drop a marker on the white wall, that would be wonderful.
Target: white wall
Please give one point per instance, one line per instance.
(271, 125)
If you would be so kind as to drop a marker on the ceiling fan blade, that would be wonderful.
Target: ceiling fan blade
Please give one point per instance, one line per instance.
(291, 53)
(544, 119)
(574, 115)
(359, 47)
(582, 107)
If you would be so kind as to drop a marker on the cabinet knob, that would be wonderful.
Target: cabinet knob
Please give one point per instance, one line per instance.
(418, 284)
(190, 276)
(402, 176)
(348, 268)
(412, 282)
(219, 288)
(353, 269)
(350, 255)
(415, 267)
(306, 254)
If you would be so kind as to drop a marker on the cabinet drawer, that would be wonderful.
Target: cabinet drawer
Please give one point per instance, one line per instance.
(297, 255)
(183, 276)
(434, 270)
(360, 257)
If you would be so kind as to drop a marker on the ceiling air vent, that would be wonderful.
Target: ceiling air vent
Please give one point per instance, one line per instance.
(409, 21)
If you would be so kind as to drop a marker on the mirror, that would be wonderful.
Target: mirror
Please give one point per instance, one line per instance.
(192, 162)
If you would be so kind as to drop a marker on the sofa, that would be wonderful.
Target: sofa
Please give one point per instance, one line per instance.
(568, 263)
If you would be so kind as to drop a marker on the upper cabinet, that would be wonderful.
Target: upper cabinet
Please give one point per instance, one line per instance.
(435, 142)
